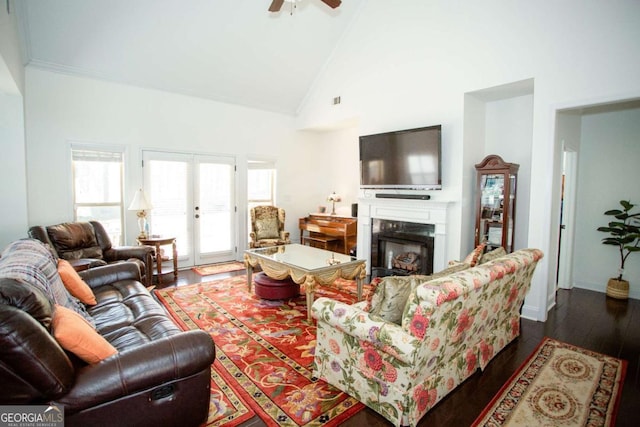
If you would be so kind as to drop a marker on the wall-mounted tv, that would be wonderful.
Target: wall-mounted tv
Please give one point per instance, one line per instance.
(406, 159)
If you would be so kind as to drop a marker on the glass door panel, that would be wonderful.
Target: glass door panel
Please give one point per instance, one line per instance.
(167, 182)
(215, 209)
(491, 186)
(193, 201)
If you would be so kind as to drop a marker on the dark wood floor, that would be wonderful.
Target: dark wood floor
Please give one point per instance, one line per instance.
(584, 318)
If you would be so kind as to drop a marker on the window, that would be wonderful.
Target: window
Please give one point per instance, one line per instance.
(261, 183)
(97, 188)
(261, 186)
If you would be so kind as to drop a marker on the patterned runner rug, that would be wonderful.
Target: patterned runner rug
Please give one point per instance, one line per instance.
(225, 267)
(264, 353)
(559, 385)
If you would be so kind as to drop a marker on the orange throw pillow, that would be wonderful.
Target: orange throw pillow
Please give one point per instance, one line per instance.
(76, 335)
(74, 283)
(474, 256)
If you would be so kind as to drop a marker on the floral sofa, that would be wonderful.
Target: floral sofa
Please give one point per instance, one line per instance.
(448, 328)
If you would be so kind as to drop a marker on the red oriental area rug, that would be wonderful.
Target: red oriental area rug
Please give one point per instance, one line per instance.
(559, 385)
(264, 353)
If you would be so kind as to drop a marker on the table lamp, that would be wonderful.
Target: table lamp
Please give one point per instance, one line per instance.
(141, 204)
(333, 198)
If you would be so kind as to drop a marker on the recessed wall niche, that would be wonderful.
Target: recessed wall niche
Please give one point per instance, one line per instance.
(498, 120)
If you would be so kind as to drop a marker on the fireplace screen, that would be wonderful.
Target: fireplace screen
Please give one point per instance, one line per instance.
(401, 248)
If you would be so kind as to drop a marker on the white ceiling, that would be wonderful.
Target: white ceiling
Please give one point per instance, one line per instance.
(232, 51)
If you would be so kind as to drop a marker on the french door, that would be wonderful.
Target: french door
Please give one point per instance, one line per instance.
(193, 200)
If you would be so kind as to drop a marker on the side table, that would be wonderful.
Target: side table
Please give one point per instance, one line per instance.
(157, 242)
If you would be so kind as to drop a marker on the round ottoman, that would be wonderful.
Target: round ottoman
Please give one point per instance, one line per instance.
(267, 288)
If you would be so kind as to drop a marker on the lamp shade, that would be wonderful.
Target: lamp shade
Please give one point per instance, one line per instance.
(333, 197)
(140, 202)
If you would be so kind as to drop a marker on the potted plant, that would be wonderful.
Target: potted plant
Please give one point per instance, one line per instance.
(624, 233)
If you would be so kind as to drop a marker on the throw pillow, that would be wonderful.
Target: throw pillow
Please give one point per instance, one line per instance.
(74, 283)
(453, 268)
(474, 256)
(491, 255)
(267, 229)
(76, 335)
(391, 295)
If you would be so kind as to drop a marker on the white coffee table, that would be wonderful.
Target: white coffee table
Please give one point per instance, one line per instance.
(306, 266)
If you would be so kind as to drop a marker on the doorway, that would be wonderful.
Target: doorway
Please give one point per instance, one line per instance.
(567, 215)
(193, 198)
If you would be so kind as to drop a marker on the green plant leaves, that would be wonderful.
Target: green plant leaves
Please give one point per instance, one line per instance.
(624, 233)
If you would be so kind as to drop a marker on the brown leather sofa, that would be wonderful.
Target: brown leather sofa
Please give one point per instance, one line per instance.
(89, 244)
(159, 377)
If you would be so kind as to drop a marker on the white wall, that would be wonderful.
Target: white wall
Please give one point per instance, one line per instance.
(509, 128)
(11, 68)
(13, 191)
(607, 173)
(397, 68)
(401, 67)
(61, 109)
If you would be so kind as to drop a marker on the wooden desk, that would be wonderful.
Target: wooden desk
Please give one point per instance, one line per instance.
(336, 233)
(157, 242)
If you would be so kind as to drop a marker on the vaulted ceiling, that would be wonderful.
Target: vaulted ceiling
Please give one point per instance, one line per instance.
(232, 51)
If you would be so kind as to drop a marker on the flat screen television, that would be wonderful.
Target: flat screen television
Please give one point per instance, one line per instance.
(406, 159)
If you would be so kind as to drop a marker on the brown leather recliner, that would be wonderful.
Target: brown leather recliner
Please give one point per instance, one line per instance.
(88, 243)
(161, 375)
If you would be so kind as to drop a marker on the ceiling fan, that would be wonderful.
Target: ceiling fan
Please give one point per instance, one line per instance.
(277, 4)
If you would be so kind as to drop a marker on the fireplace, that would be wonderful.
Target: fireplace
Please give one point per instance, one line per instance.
(400, 248)
(430, 213)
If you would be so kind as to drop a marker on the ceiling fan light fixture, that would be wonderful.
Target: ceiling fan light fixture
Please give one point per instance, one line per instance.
(277, 4)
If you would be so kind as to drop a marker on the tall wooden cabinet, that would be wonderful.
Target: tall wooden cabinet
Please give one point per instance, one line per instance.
(496, 202)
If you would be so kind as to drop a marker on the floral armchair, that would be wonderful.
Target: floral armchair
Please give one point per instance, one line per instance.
(449, 327)
(267, 227)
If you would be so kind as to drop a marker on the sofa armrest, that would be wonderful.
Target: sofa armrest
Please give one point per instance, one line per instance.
(123, 253)
(32, 364)
(100, 276)
(140, 368)
(386, 336)
(143, 253)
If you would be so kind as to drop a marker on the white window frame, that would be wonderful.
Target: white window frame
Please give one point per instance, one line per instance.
(262, 165)
(87, 151)
(253, 164)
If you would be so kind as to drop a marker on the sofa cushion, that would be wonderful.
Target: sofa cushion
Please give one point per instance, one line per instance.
(267, 228)
(76, 335)
(75, 240)
(391, 294)
(127, 316)
(491, 255)
(29, 262)
(74, 283)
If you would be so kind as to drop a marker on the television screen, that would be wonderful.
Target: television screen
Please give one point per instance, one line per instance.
(408, 159)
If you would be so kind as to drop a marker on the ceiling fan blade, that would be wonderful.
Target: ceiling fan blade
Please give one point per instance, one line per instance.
(332, 3)
(276, 5)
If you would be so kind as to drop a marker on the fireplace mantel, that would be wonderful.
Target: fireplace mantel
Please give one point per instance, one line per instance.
(418, 211)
